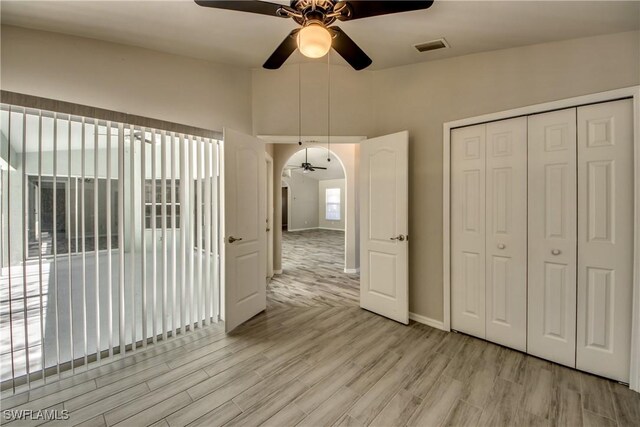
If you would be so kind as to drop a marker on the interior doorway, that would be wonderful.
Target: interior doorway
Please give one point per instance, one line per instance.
(313, 192)
(269, 213)
(285, 205)
(313, 211)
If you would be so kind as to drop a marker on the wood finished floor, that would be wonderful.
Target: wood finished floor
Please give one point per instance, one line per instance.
(314, 360)
(313, 272)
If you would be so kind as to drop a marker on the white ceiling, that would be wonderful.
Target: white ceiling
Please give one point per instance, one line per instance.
(245, 39)
(317, 157)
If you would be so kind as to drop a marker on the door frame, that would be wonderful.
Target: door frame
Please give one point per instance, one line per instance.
(611, 95)
(286, 185)
(270, 212)
(352, 223)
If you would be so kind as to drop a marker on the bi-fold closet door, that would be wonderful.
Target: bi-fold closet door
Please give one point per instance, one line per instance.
(552, 229)
(581, 237)
(542, 235)
(489, 231)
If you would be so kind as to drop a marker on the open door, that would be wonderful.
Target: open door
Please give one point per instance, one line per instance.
(244, 246)
(384, 205)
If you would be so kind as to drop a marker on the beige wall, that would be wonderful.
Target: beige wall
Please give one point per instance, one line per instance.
(126, 79)
(420, 98)
(269, 149)
(275, 100)
(303, 202)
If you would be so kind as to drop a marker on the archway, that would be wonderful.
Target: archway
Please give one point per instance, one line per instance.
(346, 151)
(313, 245)
(306, 209)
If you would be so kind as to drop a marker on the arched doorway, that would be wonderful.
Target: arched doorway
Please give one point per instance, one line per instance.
(314, 212)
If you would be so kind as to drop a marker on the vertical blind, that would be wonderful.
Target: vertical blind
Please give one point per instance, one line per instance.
(109, 240)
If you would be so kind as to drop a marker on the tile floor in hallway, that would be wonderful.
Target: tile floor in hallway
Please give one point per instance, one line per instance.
(316, 359)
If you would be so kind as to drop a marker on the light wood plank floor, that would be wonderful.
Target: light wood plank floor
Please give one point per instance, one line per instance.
(308, 362)
(313, 272)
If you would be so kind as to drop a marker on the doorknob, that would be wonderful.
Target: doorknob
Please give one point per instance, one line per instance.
(501, 246)
(399, 238)
(233, 239)
(268, 230)
(556, 252)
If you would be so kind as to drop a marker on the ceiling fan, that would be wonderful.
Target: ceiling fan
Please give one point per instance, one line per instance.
(305, 166)
(315, 37)
(137, 135)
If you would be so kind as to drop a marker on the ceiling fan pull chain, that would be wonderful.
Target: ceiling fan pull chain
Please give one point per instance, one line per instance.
(329, 107)
(299, 104)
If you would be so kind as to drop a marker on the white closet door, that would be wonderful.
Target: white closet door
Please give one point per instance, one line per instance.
(468, 230)
(506, 233)
(552, 236)
(605, 238)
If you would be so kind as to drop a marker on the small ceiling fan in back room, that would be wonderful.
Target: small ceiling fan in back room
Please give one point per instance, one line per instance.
(305, 166)
(316, 37)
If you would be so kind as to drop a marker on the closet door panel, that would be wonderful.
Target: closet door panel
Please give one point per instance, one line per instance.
(468, 230)
(605, 238)
(552, 218)
(506, 232)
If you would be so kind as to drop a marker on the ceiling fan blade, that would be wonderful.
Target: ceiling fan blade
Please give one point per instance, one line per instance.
(318, 167)
(349, 50)
(367, 8)
(252, 6)
(282, 52)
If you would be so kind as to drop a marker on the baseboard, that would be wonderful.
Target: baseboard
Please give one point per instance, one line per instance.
(316, 228)
(352, 270)
(277, 272)
(427, 321)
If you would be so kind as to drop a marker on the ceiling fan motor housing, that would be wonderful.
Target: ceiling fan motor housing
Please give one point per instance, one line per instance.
(323, 12)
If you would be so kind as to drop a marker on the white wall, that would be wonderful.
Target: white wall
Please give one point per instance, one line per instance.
(322, 193)
(126, 79)
(303, 202)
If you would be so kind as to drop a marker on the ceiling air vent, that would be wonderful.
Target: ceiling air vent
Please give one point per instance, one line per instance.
(432, 45)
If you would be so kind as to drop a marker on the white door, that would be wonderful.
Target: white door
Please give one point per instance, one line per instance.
(244, 233)
(605, 238)
(468, 171)
(384, 205)
(552, 236)
(506, 231)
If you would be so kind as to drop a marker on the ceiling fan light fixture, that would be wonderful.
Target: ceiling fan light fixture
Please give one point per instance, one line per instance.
(314, 41)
